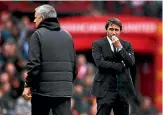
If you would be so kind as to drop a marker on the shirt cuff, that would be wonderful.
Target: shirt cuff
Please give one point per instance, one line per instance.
(119, 48)
(26, 85)
(123, 63)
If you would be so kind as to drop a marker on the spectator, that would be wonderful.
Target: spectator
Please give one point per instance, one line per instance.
(82, 66)
(22, 107)
(147, 108)
(78, 98)
(6, 32)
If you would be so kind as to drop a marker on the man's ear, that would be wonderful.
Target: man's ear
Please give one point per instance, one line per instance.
(42, 17)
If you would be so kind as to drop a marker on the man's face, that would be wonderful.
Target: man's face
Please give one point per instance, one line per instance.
(113, 30)
(37, 19)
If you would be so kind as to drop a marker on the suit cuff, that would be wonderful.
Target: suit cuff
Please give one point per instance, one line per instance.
(26, 84)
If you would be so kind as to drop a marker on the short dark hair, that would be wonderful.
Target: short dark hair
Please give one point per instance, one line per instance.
(113, 20)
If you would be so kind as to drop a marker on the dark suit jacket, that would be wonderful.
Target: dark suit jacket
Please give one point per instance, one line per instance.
(109, 65)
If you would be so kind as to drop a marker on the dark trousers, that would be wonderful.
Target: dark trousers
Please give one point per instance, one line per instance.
(112, 100)
(41, 105)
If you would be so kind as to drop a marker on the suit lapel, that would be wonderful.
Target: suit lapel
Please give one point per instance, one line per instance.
(107, 47)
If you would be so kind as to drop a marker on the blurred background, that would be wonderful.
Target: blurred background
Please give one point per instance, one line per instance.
(85, 20)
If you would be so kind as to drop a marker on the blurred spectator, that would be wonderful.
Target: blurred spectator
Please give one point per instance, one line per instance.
(17, 87)
(93, 11)
(15, 33)
(159, 113)
(6, 15)
(147, 108)
(4, 77)
(4, 83)
(22, 107)
(74, 112)
(88, 80)
(137, 7)
(26, 29)
(82, 66)
(78, 99)
(6, 102)
(23, 75)
(153, 9)
(6, 32)
(11, 53)
(10, 69)
(90, 70)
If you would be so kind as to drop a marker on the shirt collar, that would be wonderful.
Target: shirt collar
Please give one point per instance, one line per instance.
(110, 42)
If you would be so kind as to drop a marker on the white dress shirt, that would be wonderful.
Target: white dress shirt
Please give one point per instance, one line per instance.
(110, 42)
(111, 45)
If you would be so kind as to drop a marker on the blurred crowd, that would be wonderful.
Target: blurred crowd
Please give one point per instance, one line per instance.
(14, 35)
(97, 8)
(94, 8)
(13, 59)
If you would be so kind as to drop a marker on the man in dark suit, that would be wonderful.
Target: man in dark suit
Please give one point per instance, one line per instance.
(51, 65)
(112, 84)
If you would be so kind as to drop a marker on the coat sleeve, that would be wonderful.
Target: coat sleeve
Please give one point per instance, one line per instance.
(101, 63)
(75, 66)
(128, 55)
(34, 55)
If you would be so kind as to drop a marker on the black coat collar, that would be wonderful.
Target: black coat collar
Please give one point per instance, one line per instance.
(50, 23)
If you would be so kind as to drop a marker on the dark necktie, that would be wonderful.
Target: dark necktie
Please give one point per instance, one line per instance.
(117, 76)
(114, 50)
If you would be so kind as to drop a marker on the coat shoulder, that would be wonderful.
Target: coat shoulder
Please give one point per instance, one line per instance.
(125, 42)
(99, 41)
